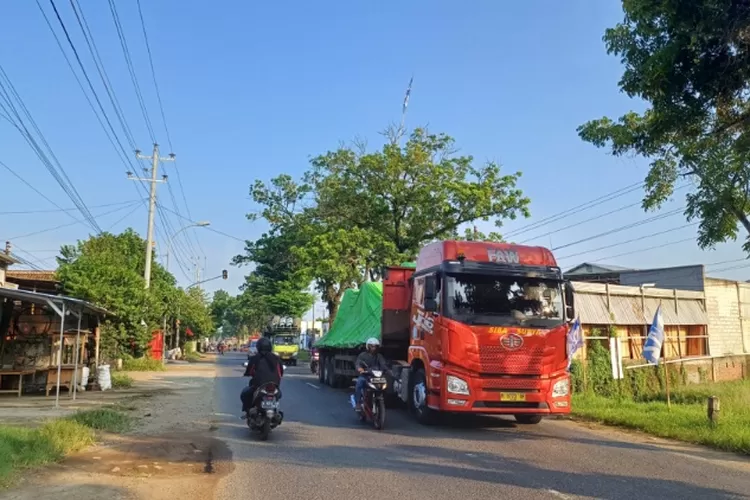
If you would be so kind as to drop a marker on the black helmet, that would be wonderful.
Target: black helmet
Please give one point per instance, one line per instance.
(264, 345)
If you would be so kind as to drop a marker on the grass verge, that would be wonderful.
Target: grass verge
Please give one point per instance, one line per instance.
(143, 365)
(121, 380)
(685, 421)
(22, 448)
(303, 356)
(192, 357)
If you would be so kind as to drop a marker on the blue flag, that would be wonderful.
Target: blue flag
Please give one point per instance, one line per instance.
(574, 340)
(655, 339)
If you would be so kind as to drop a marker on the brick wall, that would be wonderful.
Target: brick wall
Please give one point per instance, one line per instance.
(725, 332)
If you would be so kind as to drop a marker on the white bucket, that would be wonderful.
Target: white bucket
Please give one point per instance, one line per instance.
(105, 381)
(85, 376)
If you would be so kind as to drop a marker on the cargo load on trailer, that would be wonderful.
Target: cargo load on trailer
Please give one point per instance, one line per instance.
(475, 327)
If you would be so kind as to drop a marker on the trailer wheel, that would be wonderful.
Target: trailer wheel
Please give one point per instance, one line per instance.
(528, 419)
(418, 399)
(330, 377)
(321, 369)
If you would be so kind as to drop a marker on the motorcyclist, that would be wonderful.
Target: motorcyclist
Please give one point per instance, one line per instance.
(264, 367)
(370, 359)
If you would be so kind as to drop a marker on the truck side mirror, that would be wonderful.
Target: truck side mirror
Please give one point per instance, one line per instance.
(569, 300)
(430, 288)
(430, 305)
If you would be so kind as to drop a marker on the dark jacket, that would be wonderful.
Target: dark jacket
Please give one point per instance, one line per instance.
(369, 362)
(264, 368)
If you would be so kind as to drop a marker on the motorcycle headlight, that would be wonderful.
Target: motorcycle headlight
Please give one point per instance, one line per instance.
(457, 385)
(561, 388)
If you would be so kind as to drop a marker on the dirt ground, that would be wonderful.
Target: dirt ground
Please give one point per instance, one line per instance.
(170, 454)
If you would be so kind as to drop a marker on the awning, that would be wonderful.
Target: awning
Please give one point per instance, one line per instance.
(57, 301)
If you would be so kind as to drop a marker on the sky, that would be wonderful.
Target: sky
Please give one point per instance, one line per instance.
(254, 89)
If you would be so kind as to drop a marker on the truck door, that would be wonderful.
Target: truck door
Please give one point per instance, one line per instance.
(426, 314)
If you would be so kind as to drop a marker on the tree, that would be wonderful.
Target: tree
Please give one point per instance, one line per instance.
(355, 212)
(412, 194)
(691, 62)
(107, 270)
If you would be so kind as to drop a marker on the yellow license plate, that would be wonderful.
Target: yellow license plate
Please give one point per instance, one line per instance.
(512, 396)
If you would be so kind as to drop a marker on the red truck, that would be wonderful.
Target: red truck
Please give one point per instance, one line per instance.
(476, 327)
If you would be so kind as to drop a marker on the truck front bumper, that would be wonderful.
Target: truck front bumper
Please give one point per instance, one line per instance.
(500, 394)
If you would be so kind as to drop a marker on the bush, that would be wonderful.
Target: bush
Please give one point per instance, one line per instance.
(143, 365)
(104, 419)
(192, 357)
(121, 380)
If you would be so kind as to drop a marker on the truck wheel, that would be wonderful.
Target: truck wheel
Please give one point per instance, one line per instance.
(321, 363)
(418, 400)
(528, 419)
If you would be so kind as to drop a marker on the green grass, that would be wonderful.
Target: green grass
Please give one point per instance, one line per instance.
(303, 356)
(23, 448)
(104, 419)
(121, 380)
(686, 420)
(143, 365)
(192, 357)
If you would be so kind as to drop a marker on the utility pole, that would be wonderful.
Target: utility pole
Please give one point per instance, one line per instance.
(155, 159)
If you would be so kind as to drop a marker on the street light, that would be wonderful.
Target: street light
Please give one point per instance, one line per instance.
(202, 223)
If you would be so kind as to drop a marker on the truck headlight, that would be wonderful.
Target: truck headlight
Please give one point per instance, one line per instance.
(295, 352)
(457, 385)
(561, 388)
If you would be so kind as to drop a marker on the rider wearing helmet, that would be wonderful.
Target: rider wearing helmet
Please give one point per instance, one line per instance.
(370, 359)
(263, 367)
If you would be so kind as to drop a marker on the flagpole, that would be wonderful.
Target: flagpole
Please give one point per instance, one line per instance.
(404, 107)
(666, 367)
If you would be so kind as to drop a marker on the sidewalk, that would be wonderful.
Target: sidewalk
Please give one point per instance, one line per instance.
(169, 454)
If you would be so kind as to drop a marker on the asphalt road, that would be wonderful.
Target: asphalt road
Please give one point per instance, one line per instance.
(322, 452)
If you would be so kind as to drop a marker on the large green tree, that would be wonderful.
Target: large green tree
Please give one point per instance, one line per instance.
(690, 62)
(107, 270)
(356, 211)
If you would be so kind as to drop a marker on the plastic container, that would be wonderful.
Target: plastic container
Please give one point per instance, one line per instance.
(85, 376)
(103, 375)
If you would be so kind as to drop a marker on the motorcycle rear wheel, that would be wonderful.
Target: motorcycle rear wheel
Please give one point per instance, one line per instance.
(265, 430)
(379, 417)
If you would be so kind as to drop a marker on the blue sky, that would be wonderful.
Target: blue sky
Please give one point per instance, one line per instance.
(253, 89)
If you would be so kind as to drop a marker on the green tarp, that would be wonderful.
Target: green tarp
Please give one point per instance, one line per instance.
(358, 319)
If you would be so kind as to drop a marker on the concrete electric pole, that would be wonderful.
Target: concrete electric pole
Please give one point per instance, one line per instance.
(155, 159)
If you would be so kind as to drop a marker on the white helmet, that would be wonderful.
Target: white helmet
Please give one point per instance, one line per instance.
(372, 341)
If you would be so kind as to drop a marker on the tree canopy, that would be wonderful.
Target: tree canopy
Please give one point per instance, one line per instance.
(107, 270)
(355, 211)
(690, 61)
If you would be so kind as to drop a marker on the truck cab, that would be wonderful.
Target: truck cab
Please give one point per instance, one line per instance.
(286, 347)
(487, 330)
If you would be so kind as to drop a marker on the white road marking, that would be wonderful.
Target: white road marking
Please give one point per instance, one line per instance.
(558, 494)
(312, 385)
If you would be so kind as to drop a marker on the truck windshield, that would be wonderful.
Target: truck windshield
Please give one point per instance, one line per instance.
(278, 340)
(503, 301)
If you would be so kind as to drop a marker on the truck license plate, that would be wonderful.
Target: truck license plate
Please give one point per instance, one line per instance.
(512, 396)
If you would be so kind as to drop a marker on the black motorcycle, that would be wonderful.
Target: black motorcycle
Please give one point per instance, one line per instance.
(315, 361)
(373, 399)
(264, 413)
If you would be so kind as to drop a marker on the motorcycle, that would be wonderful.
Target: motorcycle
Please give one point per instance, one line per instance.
(315, 361)
(264, 414)
(373, 399)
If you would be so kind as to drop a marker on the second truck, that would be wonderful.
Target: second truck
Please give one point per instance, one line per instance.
(473, 327)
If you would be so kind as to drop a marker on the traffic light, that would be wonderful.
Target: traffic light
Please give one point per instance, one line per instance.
(224, 274)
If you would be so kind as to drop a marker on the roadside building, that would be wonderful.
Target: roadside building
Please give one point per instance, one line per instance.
(707, 320)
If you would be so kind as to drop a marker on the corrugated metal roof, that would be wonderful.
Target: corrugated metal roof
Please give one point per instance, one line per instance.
(625, 305)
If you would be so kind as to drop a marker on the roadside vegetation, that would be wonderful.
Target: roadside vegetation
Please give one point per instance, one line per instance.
(639, 402)
(142, 365)
(192, 357)
(121, 380)
(22, 448)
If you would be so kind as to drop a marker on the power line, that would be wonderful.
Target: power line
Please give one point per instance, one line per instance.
(33, 188)
(67, 224)
(570, 226)
(571, 211)
(622, 228)
(207, 228)
(658, 233)
(59, 210)
(166, 127)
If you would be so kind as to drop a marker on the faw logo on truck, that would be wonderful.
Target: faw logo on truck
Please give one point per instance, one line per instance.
(502, 256)
(511, 341)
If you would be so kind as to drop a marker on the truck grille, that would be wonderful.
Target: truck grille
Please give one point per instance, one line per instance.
(496, 359)
(517, 384)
